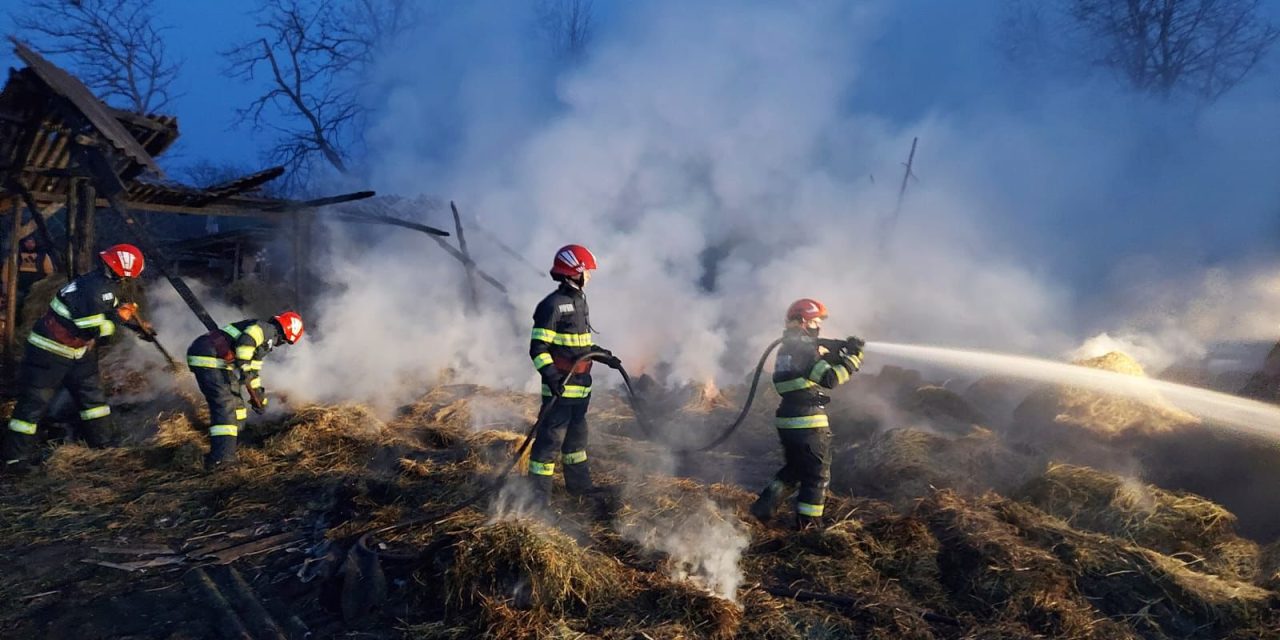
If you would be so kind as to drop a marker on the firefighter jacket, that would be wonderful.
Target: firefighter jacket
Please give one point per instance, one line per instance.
(239, 346)
(83, 311)
(799, 373)
(561, 334)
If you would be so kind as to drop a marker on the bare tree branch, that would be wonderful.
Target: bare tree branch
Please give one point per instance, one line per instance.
(115, 46)
(567, 24)
(313, 55)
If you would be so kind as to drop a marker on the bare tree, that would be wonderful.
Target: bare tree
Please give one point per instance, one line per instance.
(115, 47)
(567, 24)
(1203, 47)
(313, 54)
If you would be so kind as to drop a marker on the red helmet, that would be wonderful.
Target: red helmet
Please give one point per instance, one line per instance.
(290, 324)
(124, 260)
(806, 309)
(572, 260)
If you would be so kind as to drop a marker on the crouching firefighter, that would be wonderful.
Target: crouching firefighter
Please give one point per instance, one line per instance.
(806, 363)
(60, 353)
(227, 361)
(562, 335)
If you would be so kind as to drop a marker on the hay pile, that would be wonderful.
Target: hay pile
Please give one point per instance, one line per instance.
(1061, 414)
(945, 410)
(901, 465)
(1182, 525)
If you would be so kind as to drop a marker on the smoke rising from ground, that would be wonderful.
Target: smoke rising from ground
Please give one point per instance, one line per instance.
(725, 158)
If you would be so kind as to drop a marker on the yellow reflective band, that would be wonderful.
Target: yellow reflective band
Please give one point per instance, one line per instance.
(90, 321)
(242, 413)
(22, 426)
(570, 391)
(543, 335)
(255, 365)
(802, 422)
(93, 413)
(255, 383)
(224, 430)
(255, 332)
(60, 308)
(575, 457)
(542, 468)
(245, 353)
(811, 510)
(56, 347)
(107, 328)
(541, 360)
(208, 362)
(842, 374)
(573, 339)
(820, 368)
(232, 331)
(787, 386)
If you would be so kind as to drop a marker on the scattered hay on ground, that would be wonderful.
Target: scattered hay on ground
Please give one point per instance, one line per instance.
(945, 410)
(1193, 529)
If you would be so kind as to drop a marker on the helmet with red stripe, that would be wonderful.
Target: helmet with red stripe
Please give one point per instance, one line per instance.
(290, 324)
(124, 260)
(572, 260)
(806, 310)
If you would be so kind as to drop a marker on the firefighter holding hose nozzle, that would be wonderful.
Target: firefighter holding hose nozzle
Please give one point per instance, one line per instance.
(561, 337)
(805, 365)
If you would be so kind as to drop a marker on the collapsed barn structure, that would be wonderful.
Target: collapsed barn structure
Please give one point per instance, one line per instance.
(65, 156)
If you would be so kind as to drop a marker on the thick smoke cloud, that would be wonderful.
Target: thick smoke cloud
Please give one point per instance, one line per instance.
(725, 158)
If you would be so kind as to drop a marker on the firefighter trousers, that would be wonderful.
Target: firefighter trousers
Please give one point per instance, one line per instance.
(563, 430)
(221, 389)
(41, 376)
(808, 464)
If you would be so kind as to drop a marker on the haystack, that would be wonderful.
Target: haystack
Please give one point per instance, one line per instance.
(945, 410)
(901, 465)
(1193, 529)
(1056, 418)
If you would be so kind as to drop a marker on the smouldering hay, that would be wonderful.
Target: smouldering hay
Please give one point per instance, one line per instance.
(530, 565)
(495, 448)
(328, 437)
(945, 410)
(446, 415)
(1155, 594)
(1269, 566)
(901, 465)
(1184, 525)
(992, 572)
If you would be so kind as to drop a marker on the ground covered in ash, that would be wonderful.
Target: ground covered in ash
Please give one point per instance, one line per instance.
(982, 510)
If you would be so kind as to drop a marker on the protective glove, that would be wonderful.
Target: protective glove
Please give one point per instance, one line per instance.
(606, 358)
(853, 350)
(554, 379)
(127, 311)
(258, 400)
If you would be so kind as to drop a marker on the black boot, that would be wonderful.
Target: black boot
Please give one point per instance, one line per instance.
(98, 434)
(16, 450)
(577, 479)
(766, 506)
(540, 490)
(222, 453)
(806, 523)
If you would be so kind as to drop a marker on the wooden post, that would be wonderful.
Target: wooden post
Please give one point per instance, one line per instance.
(71, 208)
(87, 199)
(11, 292)
(473, 299)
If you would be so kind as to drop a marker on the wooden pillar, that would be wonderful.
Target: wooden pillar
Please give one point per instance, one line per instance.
(71, 207)
(86, 199)
(11, 291)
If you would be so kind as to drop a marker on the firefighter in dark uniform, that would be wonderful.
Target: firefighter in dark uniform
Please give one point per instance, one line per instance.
(806, 363)
(60, 353)
(561, 335)
(229, 360)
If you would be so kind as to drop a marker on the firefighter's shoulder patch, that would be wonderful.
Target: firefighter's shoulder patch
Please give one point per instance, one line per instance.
(108, 296)
(566, 307)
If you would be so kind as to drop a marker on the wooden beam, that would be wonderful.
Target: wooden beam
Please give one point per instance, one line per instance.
(11, 291)
(473, 299)
(85, 227)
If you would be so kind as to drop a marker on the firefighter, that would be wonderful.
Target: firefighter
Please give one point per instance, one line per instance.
(806, 364)
(561, 335)
(60, 353)
(229, 360)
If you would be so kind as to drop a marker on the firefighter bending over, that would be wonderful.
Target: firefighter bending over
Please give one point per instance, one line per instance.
(806, 363)
(227, 361)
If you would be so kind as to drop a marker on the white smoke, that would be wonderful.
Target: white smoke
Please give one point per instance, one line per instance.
(703, 545)
(715, 157)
